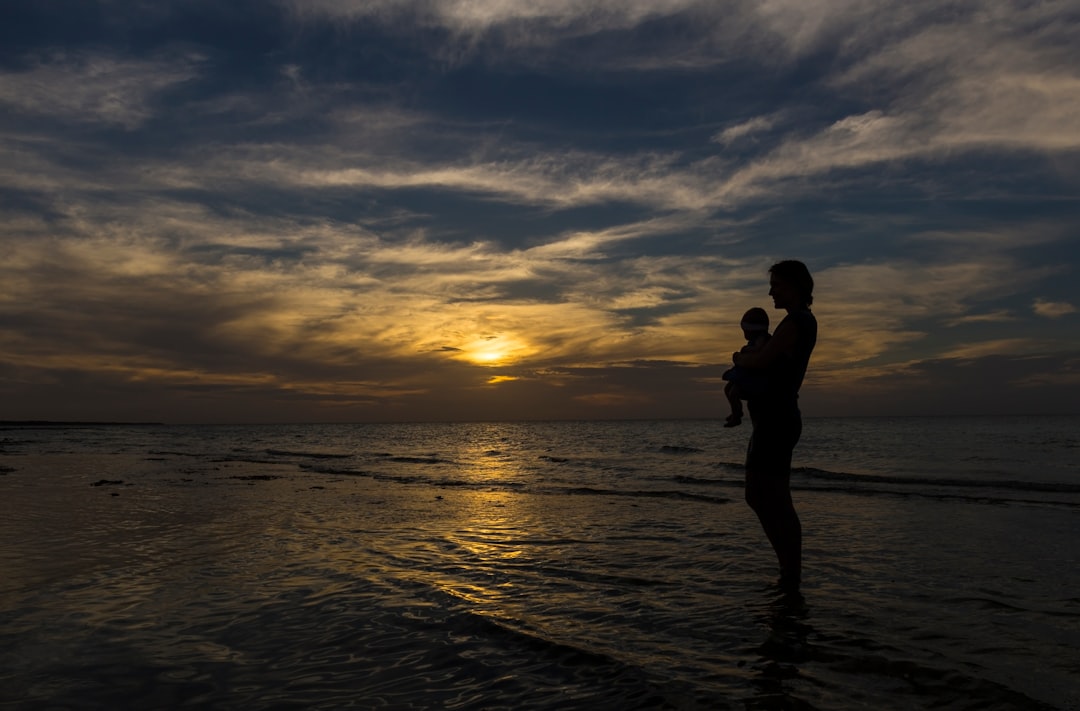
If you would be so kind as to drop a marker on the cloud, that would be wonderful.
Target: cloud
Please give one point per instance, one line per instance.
(612, 399)
(872, 309)
(290, 298)
(1001, 346)
(920, 93)
(1052, 309)
(740, 131)
(990, 383)
(87, 88)
(286, 292)
(530, 177)
(1002, 78)
(482, 15)
(1062, 373)
(991, 317)
(389, 213)
(603, 35)
(936, 88)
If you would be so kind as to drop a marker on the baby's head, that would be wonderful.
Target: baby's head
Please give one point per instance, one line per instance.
(754, 323)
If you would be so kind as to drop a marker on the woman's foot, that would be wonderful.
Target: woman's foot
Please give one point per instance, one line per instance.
(789, 582)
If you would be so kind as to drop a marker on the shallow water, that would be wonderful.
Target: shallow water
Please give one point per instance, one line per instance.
(532, 566)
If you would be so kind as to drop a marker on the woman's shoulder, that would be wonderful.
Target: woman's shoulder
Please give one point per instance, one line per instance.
(801, 318)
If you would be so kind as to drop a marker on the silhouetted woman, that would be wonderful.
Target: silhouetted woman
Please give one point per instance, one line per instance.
(776, 417)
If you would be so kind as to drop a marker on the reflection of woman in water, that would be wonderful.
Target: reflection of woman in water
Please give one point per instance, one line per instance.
(776, 418)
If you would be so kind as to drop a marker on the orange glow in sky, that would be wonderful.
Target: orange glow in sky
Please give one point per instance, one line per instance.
(495, 351)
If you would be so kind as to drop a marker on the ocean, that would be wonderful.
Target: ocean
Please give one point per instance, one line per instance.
(542, 565)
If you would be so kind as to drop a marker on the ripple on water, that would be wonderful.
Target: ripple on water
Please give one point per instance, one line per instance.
(222, 592)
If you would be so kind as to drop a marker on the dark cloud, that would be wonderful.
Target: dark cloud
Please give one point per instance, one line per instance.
(989, 385)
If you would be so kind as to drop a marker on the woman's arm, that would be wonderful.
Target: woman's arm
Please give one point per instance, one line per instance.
(782, 342)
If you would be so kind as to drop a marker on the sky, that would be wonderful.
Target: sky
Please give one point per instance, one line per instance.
(424, 210)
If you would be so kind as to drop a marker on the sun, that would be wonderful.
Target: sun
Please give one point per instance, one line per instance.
(495, 350)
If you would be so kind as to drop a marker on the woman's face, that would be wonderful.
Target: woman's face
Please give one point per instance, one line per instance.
(783, 293)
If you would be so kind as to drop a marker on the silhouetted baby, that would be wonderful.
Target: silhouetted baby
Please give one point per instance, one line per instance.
(743, 382)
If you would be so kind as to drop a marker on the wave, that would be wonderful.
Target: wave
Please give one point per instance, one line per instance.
(675, 449)
(242, 460)
(308, 455)
(485, 484)
(1008, 484)
(419, 460)
(379, 476)
(860, 480)
(648, 494)
(500, 484)
(1006, 491)
(505, 485)
(994, 604)
(577, 666)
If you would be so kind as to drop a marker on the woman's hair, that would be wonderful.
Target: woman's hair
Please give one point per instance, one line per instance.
(795, 273)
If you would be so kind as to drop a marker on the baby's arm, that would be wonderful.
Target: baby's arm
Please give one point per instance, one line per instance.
(781, 343)
(755, 345)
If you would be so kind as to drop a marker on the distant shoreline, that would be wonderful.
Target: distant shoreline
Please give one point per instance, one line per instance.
(71, 423)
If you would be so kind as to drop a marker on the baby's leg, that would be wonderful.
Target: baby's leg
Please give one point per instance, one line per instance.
(731, 391)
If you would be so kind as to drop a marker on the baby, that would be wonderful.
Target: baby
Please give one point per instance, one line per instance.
(742, 382)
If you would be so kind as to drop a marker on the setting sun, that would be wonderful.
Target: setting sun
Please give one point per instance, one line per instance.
(496, 350)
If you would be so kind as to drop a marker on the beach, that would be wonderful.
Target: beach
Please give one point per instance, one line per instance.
(536, 566)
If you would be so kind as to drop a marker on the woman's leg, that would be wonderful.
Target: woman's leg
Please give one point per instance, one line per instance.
(768, 492)
(769, 495)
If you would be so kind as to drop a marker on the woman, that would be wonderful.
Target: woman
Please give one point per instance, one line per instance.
(776, 418)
